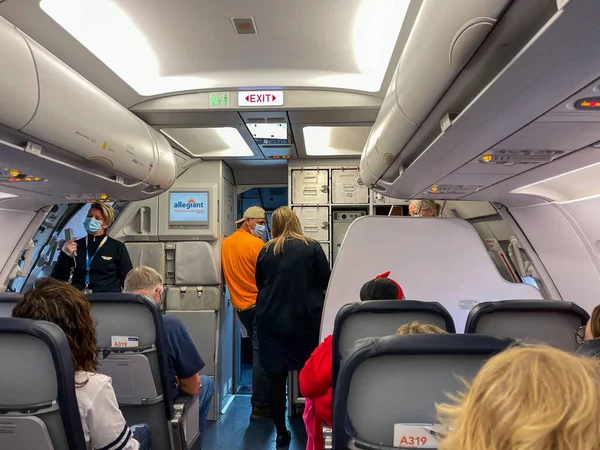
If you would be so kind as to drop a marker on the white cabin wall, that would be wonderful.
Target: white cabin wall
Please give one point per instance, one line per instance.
(564, 238)
(15, 238)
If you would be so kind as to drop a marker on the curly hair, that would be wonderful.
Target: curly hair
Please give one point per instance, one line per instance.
(527, 398)
(62, 304)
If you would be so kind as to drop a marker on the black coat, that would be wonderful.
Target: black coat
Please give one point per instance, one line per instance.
(290, 303)
(108, 269)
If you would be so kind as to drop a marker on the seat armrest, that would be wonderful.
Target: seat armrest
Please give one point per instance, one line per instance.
(186, 421)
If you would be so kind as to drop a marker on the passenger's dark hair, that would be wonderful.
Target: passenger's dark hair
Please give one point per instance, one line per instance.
(379, 289)
(62, 304)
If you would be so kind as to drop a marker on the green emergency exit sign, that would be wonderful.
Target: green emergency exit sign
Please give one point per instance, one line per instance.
(219, 100)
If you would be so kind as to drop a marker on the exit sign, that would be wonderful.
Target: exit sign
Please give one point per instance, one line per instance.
(260, 98)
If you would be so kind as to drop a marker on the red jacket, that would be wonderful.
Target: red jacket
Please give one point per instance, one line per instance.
(316, 380)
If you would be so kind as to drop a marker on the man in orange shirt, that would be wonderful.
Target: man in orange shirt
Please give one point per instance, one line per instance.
(238, 258)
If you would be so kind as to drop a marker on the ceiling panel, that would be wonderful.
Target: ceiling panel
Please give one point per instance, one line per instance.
(149, 42)
(222, 142)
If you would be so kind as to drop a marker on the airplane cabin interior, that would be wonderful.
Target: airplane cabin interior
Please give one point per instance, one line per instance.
(343, 111)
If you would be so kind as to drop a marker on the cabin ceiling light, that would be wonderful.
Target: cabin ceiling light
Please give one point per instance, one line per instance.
(574, 185)
(105, 29)
(225, 142)
(335, 141)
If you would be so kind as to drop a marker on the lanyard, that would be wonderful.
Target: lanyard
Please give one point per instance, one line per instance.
(88, 260)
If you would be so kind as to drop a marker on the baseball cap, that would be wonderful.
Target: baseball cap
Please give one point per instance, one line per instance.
(254, 212)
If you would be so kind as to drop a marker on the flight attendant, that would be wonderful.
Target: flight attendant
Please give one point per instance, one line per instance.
(96, 262)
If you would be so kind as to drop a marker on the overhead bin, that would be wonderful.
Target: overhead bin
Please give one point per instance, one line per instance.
(441, 42)
(45, 99)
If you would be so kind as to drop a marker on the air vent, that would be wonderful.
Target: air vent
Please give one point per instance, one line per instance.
(244, 25)
(453, 189)
(520, 157)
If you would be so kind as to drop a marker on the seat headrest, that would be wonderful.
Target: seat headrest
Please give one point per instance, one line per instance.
(399, 379)
(132, 315)
(428, 344)
(388, 306)
(8, 300)
(196, 264)
(378, 318)
(517, 306)
(37, 368)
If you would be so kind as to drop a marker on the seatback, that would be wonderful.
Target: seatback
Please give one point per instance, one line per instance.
(140, 373)
(399, 379)
(151, 254)
(378, 318)
(38, 405)
(535, 321)
(8, 300)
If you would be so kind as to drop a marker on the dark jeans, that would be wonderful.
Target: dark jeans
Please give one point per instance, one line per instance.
(142, 434)
(259, 376)
(277, 399)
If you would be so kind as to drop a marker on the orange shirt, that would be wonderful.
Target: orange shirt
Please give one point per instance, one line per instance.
(238, 258)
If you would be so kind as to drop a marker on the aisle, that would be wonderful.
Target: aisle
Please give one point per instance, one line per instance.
(235, 431)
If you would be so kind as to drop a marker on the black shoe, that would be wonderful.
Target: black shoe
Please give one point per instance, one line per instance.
(283, 440)
(260, 412)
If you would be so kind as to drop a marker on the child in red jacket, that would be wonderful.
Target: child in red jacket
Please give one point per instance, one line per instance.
(317, 373)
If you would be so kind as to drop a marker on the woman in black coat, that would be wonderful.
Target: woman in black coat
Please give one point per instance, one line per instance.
(291, 274)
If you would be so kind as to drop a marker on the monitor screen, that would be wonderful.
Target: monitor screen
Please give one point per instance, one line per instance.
(188, 207)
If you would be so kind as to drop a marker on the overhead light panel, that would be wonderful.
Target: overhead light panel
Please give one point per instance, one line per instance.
(335, 141)
(224, 142)
(363, 35)
(574, 185)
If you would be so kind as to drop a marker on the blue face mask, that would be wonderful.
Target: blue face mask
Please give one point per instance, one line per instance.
(92, 226)
(259, 230)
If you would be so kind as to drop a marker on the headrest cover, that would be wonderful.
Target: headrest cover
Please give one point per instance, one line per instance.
(382, 288)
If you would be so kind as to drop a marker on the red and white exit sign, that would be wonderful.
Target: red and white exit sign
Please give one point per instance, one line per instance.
(260, 98)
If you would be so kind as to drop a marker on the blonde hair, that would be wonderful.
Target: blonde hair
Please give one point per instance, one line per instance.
(427, 204)
(284, 226)
(419, 328)
(108, 213)
(142, 278)
(536, 398)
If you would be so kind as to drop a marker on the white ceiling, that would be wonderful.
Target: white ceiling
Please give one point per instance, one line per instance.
(334, 60)
(162, 47)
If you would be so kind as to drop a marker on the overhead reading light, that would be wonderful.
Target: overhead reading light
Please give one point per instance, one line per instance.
(519, 157)
(368, 33)
(335, 141)
(226, 142)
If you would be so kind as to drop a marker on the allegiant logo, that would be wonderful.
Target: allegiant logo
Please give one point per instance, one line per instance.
(191, 203)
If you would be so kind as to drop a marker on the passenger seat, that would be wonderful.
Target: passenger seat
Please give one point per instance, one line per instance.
(38, 405)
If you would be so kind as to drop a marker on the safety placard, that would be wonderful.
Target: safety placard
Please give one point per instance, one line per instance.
(345, 187)
(314, 221)
(310, 187)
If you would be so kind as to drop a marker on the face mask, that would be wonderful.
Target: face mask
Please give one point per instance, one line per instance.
(259, 230)
(92, 226)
